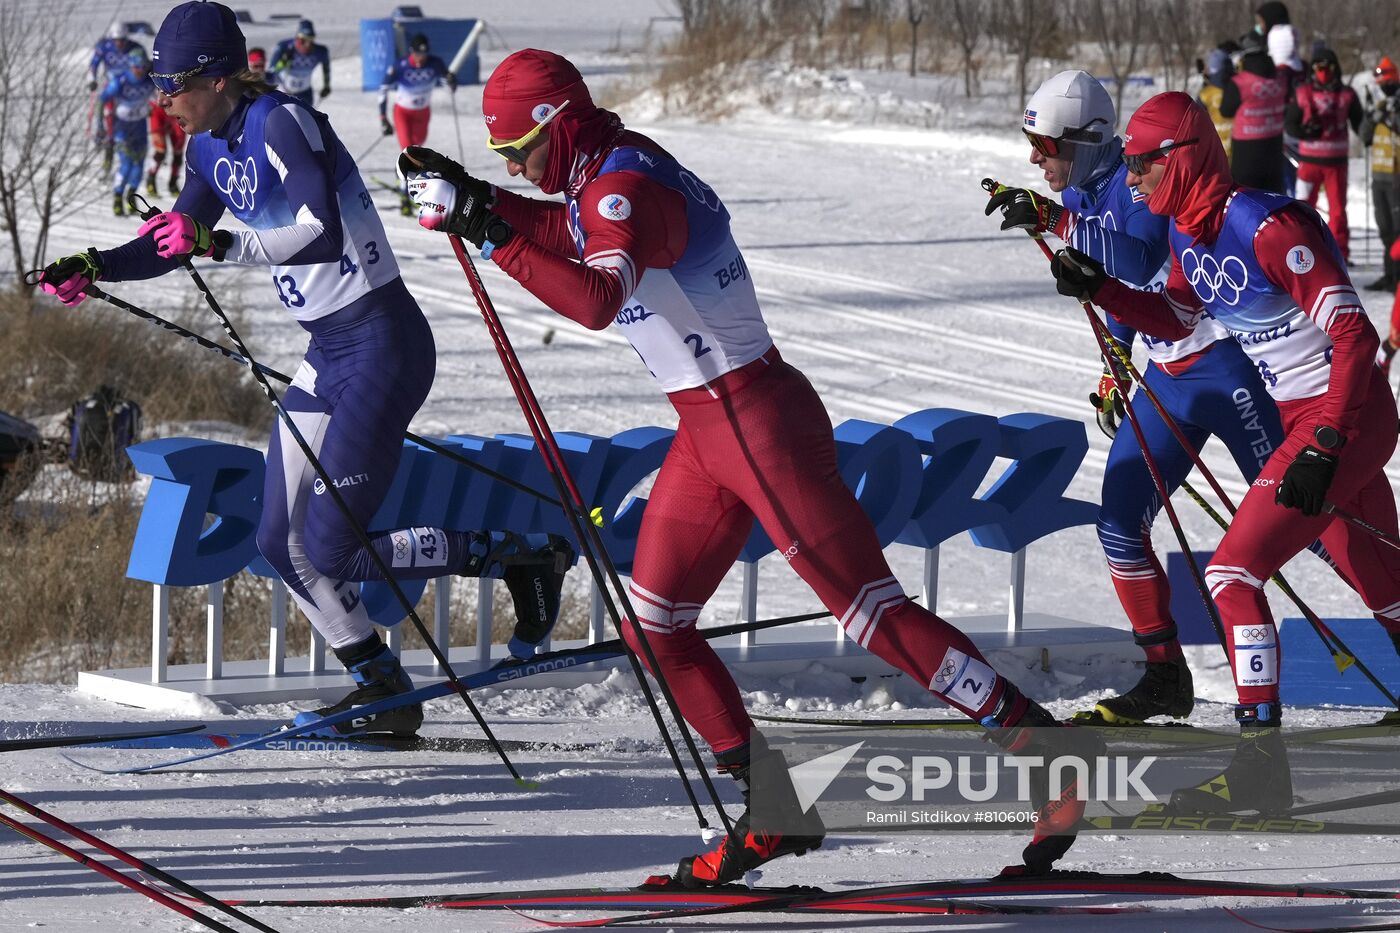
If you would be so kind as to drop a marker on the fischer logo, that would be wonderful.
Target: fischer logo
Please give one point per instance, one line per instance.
(238, 181)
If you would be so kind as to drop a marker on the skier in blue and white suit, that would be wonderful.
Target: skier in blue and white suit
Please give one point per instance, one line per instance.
(294, 62)
(281, 170)
(1205, 381)
(129, 92)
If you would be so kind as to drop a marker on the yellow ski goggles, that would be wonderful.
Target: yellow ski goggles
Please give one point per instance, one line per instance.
(517, 150)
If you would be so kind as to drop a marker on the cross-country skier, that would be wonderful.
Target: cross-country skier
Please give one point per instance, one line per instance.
(412, 79)
(1204, 380)
(643, 243)
(294, 64)
(257, 63)
(280, 169)
(129, 92)
(1319, 114)
(1265, 267)
(167, 135)
(108, 58)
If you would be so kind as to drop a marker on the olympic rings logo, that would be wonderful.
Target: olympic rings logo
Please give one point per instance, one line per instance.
(947, 673)
(1251, 634)
(238, 181)
(1213, 280)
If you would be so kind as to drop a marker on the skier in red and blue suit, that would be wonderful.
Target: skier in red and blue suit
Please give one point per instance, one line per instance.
(278, 166)
(1267, 268)
(1204, 380)
(129, 93)
(643, 243)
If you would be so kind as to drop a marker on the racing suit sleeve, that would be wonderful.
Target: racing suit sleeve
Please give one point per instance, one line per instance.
(1324, 291)
(652, 233)
(1171, 314)
(137, 259)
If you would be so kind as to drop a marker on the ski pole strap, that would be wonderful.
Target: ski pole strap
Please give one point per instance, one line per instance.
(1163, 636)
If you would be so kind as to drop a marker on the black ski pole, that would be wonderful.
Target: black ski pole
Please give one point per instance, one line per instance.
(591, 545)
(360, 534)
(132, 860)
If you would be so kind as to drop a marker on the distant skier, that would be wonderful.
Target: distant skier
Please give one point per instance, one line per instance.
(109, 58)
(166, 137)
(129, 92)
(412, 78)
(1204, 380)
(1268, 269)
(307, 218)
(294, 64)
(257, 63)
(641, 232)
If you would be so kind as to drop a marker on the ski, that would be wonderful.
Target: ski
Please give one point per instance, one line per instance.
(62, 741)
(660, 893)
(500, 675)
(356, 743)
(1347, 928)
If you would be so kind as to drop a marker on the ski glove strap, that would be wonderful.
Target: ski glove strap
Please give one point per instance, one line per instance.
(67, 278)
(1077, 275)
(1306, 481)
(179, 235)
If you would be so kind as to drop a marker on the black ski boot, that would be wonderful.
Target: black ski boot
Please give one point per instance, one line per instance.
(535, 579)
(1166, 689)
(786, 828)
(151, 189)
(118, 205)
(1257, 779)
(1059, 806)
(378, 675)
(174, 188)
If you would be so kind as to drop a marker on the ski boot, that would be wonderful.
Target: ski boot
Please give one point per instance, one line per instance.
(748, 846)
(151, 188)
(174, 188)
(131, 207)
(1257, 777)
(1059, 806)
(106, 158)
(405, 206)
(118, 205)
(1166, 689)
(378, 675)
(534, 580)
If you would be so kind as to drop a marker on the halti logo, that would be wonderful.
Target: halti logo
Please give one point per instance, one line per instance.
(237, 180)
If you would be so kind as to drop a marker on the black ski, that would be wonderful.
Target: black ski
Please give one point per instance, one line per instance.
(356, 743)
(61, 741)
(1348, 928)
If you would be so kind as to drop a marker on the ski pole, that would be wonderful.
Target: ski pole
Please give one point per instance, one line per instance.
(132, 860)
(1342, 658)
(355, 526)
(206, 343)
(370, 148)
(1380, 533)
(590, 545)
(107, 871)
(457, 124)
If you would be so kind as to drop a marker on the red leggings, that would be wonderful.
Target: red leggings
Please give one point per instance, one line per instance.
(411, 125)
(1264, 536)
(757, 443)
(1313, 177)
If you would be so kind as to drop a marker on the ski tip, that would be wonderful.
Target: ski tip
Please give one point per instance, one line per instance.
(527, 784)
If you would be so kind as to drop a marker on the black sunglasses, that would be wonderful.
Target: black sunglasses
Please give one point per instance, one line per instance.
(1137, 164)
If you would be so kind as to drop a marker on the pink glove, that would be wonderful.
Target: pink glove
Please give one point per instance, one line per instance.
(178, 235)
(66, 278)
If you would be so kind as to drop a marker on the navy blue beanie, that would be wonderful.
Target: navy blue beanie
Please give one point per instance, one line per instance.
(203, 35)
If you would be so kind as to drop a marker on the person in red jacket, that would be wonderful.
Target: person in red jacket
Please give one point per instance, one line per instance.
(1255, 98)
(1265, 267)
(1318, 115)
(643, 244)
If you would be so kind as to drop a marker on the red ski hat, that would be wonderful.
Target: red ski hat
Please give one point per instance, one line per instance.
(1197, 182)
(525, 86)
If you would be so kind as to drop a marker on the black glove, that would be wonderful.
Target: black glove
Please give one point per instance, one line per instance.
(1311, 129)
(449, 199)
(1023, 209)
(451, 82)
(92, 84)
(1305, 482)
(325, 92)
(385, 126)
(1077, 275)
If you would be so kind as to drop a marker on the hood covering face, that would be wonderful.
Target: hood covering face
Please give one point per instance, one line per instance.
(1197, 181)
(522, 91)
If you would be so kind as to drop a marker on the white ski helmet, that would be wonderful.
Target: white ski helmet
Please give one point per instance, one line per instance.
(1072, 106)
(116, 31)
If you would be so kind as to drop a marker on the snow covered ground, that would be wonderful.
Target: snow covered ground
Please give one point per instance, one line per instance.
(884, 282)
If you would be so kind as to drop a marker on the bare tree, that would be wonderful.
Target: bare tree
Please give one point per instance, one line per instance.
(969, 19)
(916, 10)
(1116, 27)
(1022, 24)
(46, 162)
